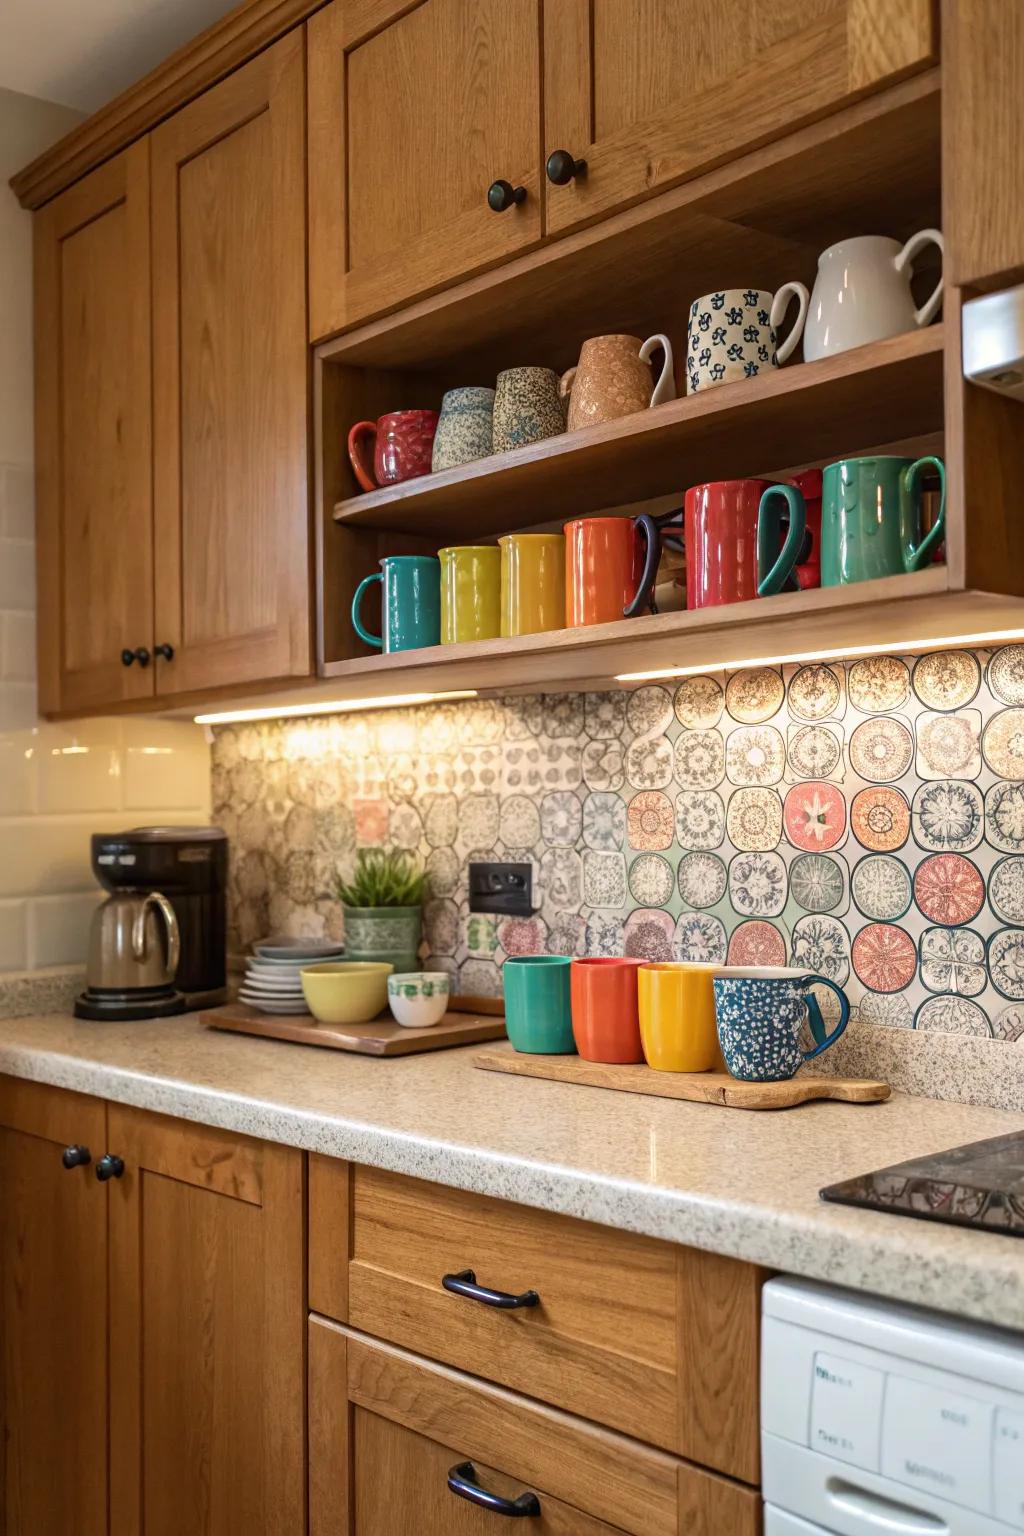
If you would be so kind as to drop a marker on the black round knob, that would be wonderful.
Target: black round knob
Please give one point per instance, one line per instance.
(164, 651)
(109, 1167)
(140, 654)
(561, 167)
(502, 195)
(76, 1157)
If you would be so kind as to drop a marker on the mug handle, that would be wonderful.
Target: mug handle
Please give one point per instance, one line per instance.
(566, 383)
(924, 237)
(649, 528)
(915, 559)
(665, 389)
(362, 473)
(364, 634)
(821, 1039)
(775, 579)
(780, 304)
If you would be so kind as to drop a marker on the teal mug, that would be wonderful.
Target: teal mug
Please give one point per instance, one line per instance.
(871, 518)
(538, 1011)
(410, 603)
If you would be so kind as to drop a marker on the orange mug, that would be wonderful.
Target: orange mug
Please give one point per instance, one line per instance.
(603, 563)
(605, 1013)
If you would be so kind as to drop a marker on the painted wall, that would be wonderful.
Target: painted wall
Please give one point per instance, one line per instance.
(57, 784)
(864, 820)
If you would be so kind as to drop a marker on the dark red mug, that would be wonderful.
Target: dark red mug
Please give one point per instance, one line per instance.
(734, 540)
(403, 447)
(808, 563)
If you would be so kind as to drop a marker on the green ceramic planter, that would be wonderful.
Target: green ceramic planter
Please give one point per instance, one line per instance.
(538, 1016)
(384, 933)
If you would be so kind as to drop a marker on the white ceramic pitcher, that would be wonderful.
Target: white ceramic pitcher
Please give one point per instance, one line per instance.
(862, 293)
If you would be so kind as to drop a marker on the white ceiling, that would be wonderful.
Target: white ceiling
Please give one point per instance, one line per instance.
(83, 52)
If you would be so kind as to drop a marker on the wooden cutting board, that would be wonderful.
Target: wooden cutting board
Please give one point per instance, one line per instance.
(697, 1087)
(381, 1037)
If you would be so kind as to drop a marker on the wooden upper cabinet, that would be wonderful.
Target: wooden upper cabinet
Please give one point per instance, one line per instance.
(983, 140)
(231, 496)
(53, 1315)
(207, 1332)
(414, 110)
(651, 92)
(93, 444)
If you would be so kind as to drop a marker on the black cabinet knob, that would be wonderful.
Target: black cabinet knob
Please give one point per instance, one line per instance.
(109, 1167)
(140, 654)
(76, 1156)
(561, 167)
(166, 652)
(502, 195)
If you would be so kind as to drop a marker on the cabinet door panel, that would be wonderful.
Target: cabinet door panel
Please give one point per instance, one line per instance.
(414, 111)
(231, 478)
(93, 445)
(207, 1327)
(53, 1316)
(651, 92)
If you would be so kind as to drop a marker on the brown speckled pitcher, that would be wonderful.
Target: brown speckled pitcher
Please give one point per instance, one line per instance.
(614, 378)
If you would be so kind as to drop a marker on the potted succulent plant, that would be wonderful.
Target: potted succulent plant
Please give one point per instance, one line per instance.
(383, 905)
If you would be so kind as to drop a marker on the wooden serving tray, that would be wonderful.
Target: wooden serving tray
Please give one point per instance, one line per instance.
(381, 1037)
(697, 1087)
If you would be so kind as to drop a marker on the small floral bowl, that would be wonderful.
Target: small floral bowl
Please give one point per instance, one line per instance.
(419, 998)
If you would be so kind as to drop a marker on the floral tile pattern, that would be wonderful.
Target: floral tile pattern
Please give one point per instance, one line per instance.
(864, 819)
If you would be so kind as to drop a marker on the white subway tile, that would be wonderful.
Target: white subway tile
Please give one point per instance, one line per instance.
(17, 574)
(17, 501)
(79, 767)
(48, 857)
(18, 647)
(58, 928)
(166, 765)
(17, 772)
(13, 944)
(18, 710)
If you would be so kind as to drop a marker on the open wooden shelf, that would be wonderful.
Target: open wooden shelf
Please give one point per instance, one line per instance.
(802, 414)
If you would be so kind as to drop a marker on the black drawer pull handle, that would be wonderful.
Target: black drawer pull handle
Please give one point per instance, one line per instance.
(462, 1481)
(464, 1284)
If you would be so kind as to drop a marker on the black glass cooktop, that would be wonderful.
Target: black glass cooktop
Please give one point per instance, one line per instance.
(978, 1185)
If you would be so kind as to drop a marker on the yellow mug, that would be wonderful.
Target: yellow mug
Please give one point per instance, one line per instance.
(532, 583)
(470, 592)
(677, 1017)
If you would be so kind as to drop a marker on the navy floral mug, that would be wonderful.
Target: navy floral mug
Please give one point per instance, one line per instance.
(760, 1011)
(733, 334)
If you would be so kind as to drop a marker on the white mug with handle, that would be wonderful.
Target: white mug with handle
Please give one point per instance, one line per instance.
(862, 293)
(733, 334)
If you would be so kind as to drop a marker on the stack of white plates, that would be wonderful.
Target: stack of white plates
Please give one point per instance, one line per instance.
(272, 980)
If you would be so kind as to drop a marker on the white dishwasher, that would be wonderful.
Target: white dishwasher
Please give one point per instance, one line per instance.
(885, 1420)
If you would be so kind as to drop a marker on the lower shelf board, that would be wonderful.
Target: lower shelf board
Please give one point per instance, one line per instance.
(379, 1037)
(697, 1087)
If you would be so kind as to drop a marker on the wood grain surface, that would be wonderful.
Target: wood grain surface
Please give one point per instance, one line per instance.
(379, 1037)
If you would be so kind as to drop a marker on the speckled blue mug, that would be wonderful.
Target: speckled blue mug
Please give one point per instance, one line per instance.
(760, 1011)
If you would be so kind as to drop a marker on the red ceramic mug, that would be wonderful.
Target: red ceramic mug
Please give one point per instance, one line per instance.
(808, 565)
(734, 540)
(402, 449)
(605, 1011)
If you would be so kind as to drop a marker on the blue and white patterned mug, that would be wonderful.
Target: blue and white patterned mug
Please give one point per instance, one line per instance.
(760, 1011)
(733, 334)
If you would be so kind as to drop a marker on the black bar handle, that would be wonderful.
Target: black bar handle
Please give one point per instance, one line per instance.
(462, 1481)
(464, 1284)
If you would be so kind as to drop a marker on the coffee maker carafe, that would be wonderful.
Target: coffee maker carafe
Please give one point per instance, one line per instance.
(158, 943)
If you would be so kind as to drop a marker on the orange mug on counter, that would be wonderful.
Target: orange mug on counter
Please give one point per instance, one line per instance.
(605, 1018)
(611, 564)
(677, 1017)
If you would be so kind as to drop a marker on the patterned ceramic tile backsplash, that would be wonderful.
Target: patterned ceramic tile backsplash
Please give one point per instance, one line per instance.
(863, 819)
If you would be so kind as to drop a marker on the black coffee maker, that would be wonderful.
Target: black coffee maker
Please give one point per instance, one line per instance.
(186, 867)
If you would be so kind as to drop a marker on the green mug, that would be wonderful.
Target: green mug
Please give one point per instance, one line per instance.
(410, 603)
(538, 1011)
(871, 521)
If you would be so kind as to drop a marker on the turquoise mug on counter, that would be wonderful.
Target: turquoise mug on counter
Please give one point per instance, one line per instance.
(871, 518)
(410, 603)
(538, 1010)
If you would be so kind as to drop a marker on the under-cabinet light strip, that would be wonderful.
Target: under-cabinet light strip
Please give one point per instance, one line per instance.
(331, 707)
(832, 653)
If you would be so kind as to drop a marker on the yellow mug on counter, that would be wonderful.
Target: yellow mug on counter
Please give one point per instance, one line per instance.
(677, 1017)
(470, 592)
(532, 583)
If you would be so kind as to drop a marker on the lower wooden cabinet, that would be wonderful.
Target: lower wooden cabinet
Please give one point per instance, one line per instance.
(390, 1433)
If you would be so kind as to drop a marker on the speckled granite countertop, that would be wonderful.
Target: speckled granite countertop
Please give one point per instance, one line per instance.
(732, 1181)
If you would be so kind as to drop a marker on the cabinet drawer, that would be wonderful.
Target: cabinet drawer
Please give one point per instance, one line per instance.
(644, 1336)
(386, 1429)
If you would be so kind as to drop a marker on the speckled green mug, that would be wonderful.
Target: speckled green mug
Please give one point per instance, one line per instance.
(538, 1013)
